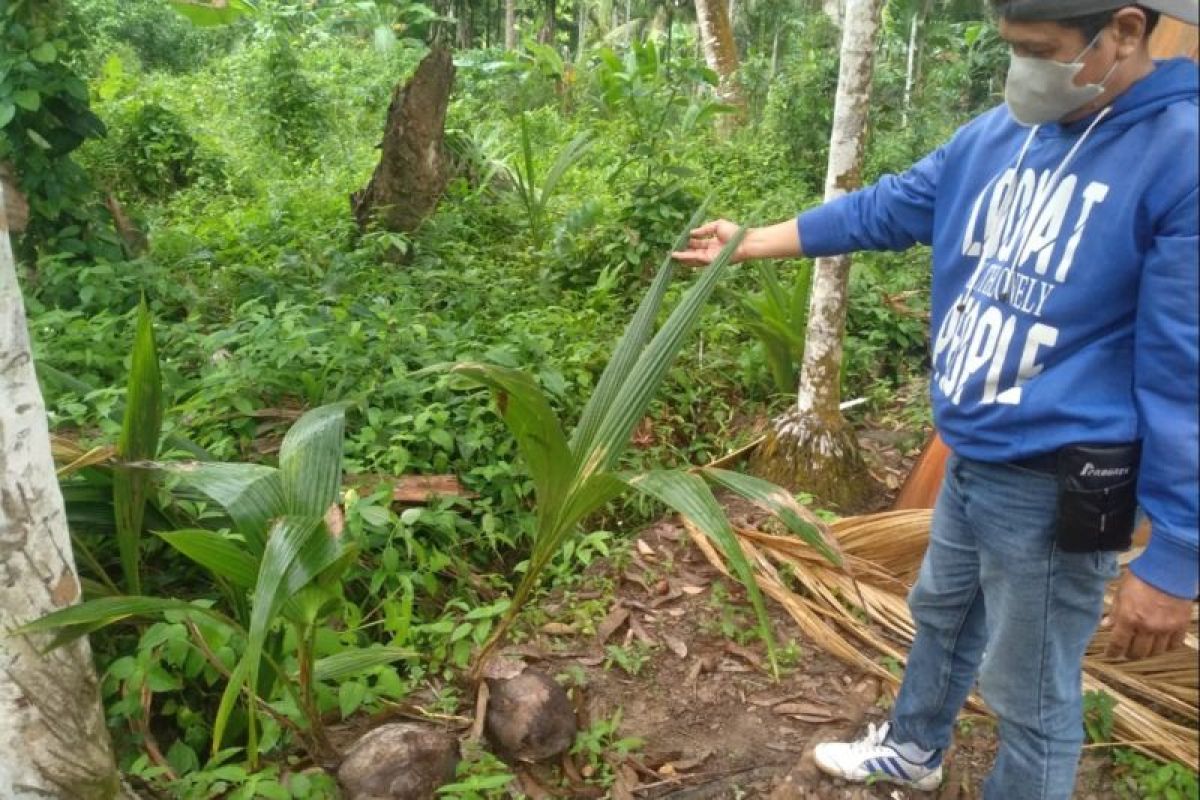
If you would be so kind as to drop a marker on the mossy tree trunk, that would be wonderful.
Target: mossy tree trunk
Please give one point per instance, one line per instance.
(53, 739)
(812, 448)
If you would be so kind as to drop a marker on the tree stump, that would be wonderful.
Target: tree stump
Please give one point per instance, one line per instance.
(412, 172)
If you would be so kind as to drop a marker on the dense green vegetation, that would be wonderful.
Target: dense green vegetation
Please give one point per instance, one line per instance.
(234, 148)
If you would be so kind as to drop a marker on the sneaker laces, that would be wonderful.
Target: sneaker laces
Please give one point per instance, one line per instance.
(876, 737)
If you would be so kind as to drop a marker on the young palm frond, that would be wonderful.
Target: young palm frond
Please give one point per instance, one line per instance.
(575, 477)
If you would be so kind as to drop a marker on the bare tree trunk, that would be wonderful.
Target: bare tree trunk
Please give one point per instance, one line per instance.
(835, 10)
(910, 68)
(812, 447)
(463, 29)
(412, 171)
(720, 53)
(581, 31)
(550, 26)
(775, 52)
(510, 24)
(53, 740)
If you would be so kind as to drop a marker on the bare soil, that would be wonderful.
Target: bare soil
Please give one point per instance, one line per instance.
(713, 721)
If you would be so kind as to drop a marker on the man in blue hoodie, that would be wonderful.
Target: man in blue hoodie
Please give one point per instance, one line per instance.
(1064, 336)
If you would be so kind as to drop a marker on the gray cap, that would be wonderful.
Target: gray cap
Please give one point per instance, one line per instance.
(1033, 10)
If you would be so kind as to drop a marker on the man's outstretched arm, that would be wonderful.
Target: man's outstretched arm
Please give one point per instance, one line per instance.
(893, 214)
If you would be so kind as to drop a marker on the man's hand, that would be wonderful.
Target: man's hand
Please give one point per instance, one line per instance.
(1145, 621)
(781, 240)
(707, 242)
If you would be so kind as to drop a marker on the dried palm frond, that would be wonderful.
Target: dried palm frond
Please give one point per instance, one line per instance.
(860, 614)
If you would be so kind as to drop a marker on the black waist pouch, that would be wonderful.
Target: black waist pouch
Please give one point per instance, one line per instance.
(1097, 496)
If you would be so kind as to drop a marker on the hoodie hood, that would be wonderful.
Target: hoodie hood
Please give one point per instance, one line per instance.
(1172, 81)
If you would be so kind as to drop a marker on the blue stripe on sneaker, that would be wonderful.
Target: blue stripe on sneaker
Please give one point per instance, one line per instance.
(885, 767)
(898, 769)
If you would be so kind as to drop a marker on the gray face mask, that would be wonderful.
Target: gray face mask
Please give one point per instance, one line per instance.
(1041, 90)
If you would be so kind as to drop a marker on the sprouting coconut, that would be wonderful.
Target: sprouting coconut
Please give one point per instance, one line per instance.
(400, 761)
(529, 716)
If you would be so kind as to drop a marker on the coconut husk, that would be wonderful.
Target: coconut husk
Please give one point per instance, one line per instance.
(863, 618)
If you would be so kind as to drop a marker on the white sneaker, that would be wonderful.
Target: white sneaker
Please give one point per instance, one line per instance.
(874, 758)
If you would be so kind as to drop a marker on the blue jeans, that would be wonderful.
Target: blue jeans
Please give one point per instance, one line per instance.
(995, 596)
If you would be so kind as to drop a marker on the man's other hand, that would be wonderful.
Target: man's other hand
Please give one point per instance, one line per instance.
(706, 243)
(1145, 621)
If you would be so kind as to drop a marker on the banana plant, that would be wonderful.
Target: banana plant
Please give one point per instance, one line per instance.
(575, 476)
(283, 558)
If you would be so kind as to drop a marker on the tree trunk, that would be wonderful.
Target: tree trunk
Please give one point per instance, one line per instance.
(510, 24)
(835, 10)
(910, 68)
(412, 171)
(581, 30)
(53, 739)
(720, 53)
(775, 52)
(812, 447)
(463, 28)
(550, 25)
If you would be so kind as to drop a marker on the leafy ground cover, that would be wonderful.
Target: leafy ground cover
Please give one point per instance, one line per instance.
(234, 150)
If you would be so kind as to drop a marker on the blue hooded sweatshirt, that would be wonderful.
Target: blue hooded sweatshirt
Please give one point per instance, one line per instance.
(1064, 303)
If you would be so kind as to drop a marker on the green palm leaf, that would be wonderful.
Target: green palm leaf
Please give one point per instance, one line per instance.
(349, 663)
(635, 393)
(140, 430)
(533, 423)
(221, 556)
(310, 461)
(83, 618)
(630, 346)
(251, 494)
(777, 501)
(63, 380)
(689, 495)
(298, 550)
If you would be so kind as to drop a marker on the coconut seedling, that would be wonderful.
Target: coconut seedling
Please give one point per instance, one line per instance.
(574, 477)
(281, 562)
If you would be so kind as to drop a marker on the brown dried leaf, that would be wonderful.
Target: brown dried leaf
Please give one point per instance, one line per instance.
(531, 786)
(633, 577)
(646, 550)
(617, 616)
(691, 763)
(558, 629)
(744, 653)
(815, 713)
(635, 627)
(676, 646)
(692, 590)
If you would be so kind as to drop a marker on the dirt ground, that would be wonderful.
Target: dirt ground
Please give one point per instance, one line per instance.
(660, 638)
(696, 690)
